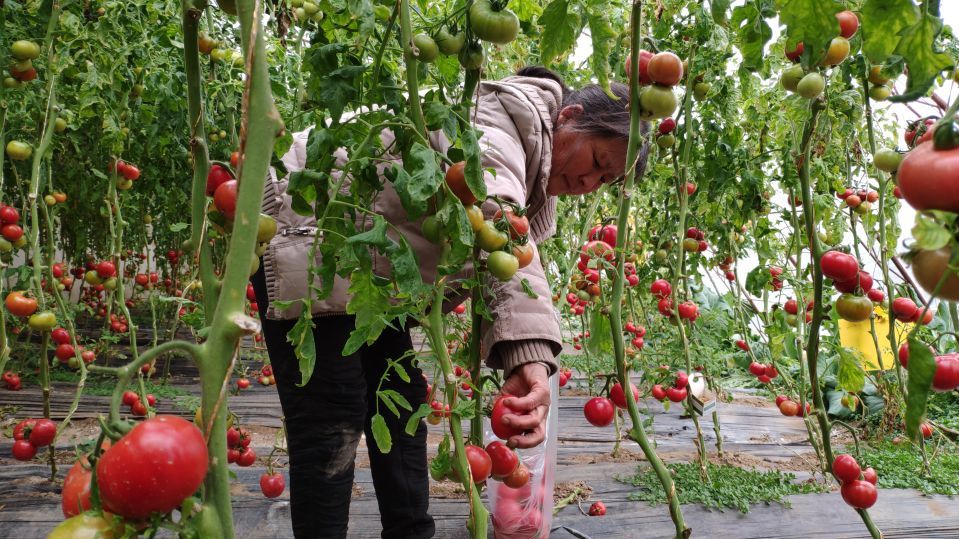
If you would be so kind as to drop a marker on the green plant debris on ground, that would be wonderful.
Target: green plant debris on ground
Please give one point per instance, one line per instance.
(900, 466)
(729, 487)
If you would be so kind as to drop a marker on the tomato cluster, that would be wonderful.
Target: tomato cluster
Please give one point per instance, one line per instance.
(811, 84)
(658, 73)
(11, 233)
(21, 68)
(137, 406)
(792, 311)
(238, 448)
(906, 310)
(66, 353)
(661, 289)
(860, 201)
(695, 240)
(677, 392)
(577, 345)
(125, 173)
(764, 373)
(564, 376)
(792, 407)
(636, 343)
(30, 435)
(11, 381)
(858, 487)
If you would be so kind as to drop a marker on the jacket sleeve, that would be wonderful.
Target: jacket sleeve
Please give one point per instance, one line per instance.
(525, 329)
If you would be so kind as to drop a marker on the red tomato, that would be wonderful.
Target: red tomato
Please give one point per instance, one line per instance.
(519, 478)
(42, 432)
(869, 474)
(758, 369)
(272, 485)
(794, 54)
(604, 233)
(60, 336)
(24, 450)
(859, 494)
(659, 393)
(661, 288)
(598, 509)
(665, 307)
(217, 176)
(518, 224)
(876, 295)
(501, 429)
(690, 188)
(682, 380)
(130, 172)
(247, 457)
(688, 310)
(676, 394)
(456, 180)
(106, 269)
(667, 126)
(743, 345)
(224, 198)
(845, 468)
(848, 23)
(789, 408)
(862, 281)
(665, 68)
(20, 305)
(75, 498)
(153, 468)
(644, 58)
(839, 266)
(947, 373)
(905, 310)
(618, 396)
(504, 460)
(9, 215)
(595, 249)
(480, 463)
(599, 411)
(927, 180)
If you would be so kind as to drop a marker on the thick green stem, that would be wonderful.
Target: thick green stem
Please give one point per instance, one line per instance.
(412, 80)
(636, 141)
(435, 333)
(812, 347)
(475, 362)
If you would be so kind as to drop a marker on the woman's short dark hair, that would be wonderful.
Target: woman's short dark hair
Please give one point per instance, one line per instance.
(603, 115)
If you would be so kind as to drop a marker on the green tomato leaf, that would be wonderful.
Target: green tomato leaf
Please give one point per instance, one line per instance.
(473, 172)
(381, 433)
(752, 33)
(849, 375)
(600, 341)
(301, 337)
(602, 36)
(813, 22)
(560, 28)
(371, 306)
(929, 234)
(375, 236)
(922, 369)
(417, 180)
(918, 48)
(882, 22)
(413, 422)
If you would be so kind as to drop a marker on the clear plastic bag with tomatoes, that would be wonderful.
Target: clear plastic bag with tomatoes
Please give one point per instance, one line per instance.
(527, 512)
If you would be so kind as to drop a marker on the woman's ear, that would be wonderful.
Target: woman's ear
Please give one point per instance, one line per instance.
(568, 113)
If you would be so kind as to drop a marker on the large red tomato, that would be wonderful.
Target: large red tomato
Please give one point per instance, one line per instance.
(153, 468)
(599, 411)
(839, 266)
(604, 233)
(224, 198)
(479, 462)
(859, 494)
(501, 429)
(927, 178)
(618, 396)
(75, 498)
(947, 373)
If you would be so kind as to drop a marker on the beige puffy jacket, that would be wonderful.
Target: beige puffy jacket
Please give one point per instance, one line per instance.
(516, 118)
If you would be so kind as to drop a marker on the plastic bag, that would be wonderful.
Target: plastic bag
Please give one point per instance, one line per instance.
(527, 512)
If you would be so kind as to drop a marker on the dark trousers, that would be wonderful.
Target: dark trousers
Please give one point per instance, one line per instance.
(324, 421)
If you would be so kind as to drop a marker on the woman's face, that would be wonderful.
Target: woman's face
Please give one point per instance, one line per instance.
(582, 162)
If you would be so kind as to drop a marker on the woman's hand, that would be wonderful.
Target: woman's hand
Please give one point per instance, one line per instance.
(530, 385)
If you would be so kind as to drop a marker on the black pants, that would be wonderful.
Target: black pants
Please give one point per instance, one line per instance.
(324, 421)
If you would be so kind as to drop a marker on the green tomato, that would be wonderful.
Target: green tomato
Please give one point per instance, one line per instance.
(490, 239)
(42, 321)
(266, 229)
(666, 141)
(502, 265)
(84, 526)
(5, 246)
(19, 151)
(475, 216)
(887, 160)
(450, 44)
(432, 229)
(428, 50)
(498, 27)
(11, 83)
(382, 13)
(310, 8)
(60, 125)
(811, 86)
(657, 102)
(791, 77)
(472, 56)
(25, 50)
(110, 284)
(701, 90)
(879, 93)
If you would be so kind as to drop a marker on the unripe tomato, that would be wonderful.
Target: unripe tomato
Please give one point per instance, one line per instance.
(838, 51)
(491, 239)
(19, 151)
(657, 102)
(811, 86)
(496, 26)
(25, 50)
(427, 48)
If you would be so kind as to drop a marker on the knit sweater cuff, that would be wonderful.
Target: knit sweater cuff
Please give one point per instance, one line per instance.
(514, 354)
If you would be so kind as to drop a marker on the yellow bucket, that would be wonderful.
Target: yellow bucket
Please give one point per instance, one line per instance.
(857, 335)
